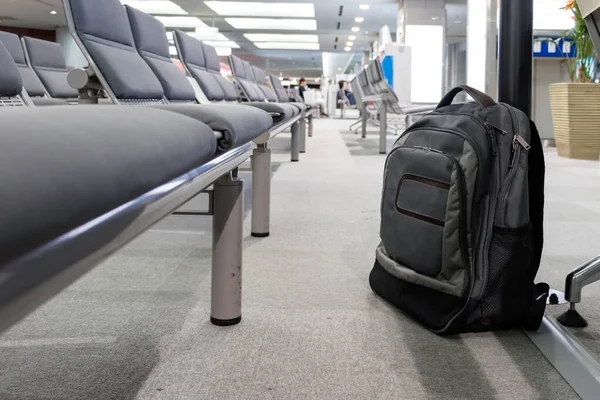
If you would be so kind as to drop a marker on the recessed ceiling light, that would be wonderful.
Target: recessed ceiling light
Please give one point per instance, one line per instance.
(355, 29)
(339, 69)
(347, 48)
(281, 37)
(351, 37)
(364, 7)
(181, 22)
(256, 9)
(287, 46)
(359, 19)
(53, 12)
(155, 7)
(349, 43)
(272, 23)
(223, 51)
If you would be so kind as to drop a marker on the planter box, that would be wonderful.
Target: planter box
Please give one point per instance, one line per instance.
(576, 118)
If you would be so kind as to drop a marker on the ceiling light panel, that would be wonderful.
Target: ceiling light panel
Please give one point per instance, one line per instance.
(181, 22)
(287, 46)
(355, 29)
(359, 19)
(259, 9)
(364, 7)
(281, 37)
(155, 7)
(270, 24)
(222, 43)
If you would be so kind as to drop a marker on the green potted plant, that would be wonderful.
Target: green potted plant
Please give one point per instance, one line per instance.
(576, 105)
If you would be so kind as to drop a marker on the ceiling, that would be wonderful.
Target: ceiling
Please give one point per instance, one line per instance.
(334, 18)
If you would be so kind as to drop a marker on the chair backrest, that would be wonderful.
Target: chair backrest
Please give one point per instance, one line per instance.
(103, 33)
(11, 83)
(244, 77)
(282, 95)
(260, 77)
(31, 82)
(365, 86)
(202, 63)
(151, 41)
(48, 62)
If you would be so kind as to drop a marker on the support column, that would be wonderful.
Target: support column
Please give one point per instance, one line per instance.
(302, 132)
(516, 53)
(295, 142)
(228, 218)
(383, 130)
(261, 191)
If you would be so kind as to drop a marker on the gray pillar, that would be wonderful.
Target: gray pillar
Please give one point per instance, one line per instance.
(383, 129)
(228, 218)
(295, 142)
(261, 191)
(516, 53)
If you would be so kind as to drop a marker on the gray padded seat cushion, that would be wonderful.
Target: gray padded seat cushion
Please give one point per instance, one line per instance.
(104, 29)
(285, 111)
(11, 83)
(32, 84)
(203, 64)
(48, 61)
(239, 124)
(244, 77)
(151, 42)
(261, 80)
(61, 167)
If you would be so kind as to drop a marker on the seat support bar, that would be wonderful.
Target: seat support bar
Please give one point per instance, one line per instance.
(261, 191)
(228, 219)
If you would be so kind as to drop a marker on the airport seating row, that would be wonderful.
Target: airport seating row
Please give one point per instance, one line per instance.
(83, 180)
(377, 92)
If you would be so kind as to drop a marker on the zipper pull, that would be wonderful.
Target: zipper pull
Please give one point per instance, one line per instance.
(522, 142)
(492, 134)
(502, 131)
(436, 151)
(513, 151)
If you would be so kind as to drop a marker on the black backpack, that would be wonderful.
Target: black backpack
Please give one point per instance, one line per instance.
(462, 219)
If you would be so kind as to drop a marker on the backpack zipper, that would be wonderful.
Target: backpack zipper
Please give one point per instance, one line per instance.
(518, 143)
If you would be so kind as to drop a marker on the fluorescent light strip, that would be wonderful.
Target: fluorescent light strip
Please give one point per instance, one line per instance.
(155, 7)
(256, 9)
(222, 43)
(271, 24)
(221, 51)
(181, 22)
(287, 46)
(277, 37)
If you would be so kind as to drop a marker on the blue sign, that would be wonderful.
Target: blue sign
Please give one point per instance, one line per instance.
(387, 64)
(553, 47)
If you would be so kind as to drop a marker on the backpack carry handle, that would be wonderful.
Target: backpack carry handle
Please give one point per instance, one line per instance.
(481, 98)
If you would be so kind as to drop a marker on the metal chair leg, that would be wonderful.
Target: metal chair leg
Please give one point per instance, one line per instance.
(302, 132)
(228, 218)
(295, 142)
(261, 191)
(574, 284)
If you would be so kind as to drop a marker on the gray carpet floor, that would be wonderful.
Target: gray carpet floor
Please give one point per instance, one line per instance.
(137, 327)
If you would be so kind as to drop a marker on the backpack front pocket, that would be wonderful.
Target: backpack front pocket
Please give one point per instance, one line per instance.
(424, 218)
